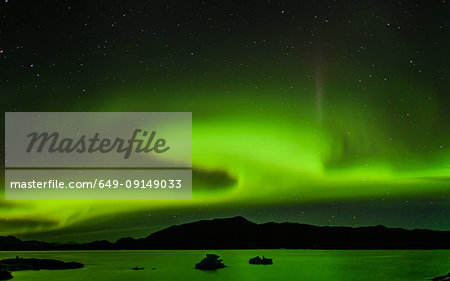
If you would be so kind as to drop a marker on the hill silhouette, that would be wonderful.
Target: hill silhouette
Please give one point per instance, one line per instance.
(239, 233)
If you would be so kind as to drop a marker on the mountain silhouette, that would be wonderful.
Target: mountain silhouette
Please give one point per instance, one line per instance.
(239, 233)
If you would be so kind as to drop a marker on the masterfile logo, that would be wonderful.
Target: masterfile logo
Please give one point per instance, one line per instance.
(95, 144)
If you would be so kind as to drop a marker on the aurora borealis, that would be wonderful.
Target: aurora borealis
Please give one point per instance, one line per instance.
(320, 112)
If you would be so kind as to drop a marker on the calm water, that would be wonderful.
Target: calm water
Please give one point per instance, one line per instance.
(310, 265)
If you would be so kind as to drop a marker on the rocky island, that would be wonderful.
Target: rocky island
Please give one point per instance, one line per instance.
(211, 262)
(258, 260)
(9, 265)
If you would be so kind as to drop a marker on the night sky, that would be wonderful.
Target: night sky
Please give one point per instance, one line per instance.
(319, 112)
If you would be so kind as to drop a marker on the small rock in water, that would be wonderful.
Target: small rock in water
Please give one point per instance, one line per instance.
(137, 268)
(258, 260)
(211, 262)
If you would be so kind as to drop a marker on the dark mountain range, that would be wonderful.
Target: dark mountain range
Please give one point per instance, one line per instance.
(239, 233)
